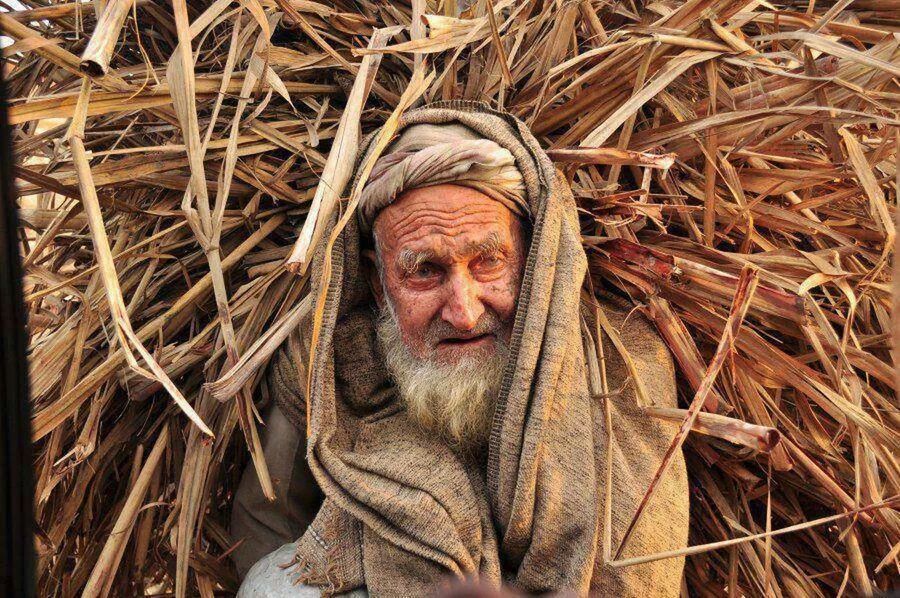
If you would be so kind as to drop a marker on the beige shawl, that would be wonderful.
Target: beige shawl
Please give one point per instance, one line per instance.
(402, 511)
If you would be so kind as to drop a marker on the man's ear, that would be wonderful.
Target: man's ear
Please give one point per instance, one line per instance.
(370, 270)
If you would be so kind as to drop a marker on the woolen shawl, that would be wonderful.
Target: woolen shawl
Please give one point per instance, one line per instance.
(403, 511)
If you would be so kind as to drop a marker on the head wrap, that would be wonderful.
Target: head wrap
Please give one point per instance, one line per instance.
(431, 154)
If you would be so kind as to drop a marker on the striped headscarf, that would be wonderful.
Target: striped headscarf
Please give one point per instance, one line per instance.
(431, 154)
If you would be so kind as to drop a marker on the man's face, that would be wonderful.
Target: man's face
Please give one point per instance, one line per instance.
(451, 259)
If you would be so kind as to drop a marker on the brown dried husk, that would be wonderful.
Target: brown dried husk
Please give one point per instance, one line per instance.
(735, 163)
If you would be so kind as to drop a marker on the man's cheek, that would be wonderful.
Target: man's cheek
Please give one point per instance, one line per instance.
(504, 294)
(414, 312)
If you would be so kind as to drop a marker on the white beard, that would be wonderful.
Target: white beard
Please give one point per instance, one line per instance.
(456, 400)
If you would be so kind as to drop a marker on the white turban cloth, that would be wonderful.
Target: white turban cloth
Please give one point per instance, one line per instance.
(428, 154)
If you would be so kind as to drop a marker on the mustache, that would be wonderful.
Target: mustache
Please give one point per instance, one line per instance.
(488, 323)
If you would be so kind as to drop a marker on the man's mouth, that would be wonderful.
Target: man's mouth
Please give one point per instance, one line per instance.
(466, 341)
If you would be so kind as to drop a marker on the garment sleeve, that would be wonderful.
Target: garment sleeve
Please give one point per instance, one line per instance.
(262, 526)
(286, 378)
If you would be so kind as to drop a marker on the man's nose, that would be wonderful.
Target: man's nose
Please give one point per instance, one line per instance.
(463, 307)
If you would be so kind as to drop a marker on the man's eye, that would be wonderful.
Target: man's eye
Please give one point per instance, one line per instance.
(489, 262)
(424, 271)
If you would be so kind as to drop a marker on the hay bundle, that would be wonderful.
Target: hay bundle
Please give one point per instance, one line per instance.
(735, 162)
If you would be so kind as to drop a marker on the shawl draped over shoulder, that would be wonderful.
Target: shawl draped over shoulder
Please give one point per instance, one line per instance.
(401, 510)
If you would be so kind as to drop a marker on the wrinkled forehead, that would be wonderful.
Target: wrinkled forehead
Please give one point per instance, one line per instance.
(446, 222)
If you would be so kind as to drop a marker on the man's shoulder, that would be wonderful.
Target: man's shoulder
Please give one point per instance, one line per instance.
(627, 320)
(637, 335)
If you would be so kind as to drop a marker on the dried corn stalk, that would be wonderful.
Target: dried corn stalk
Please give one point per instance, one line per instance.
(702, 138)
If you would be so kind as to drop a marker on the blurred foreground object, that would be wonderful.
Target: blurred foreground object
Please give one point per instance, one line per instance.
(16, 529)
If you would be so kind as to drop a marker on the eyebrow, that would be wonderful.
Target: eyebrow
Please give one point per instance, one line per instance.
(409, 260)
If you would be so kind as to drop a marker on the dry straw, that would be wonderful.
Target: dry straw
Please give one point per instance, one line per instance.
(735, 165)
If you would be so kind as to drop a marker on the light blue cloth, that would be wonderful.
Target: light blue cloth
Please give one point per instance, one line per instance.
(266, 579)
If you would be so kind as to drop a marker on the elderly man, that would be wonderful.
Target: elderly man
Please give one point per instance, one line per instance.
(459, 384)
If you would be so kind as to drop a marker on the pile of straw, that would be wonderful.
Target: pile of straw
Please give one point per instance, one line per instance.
(735, 164)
